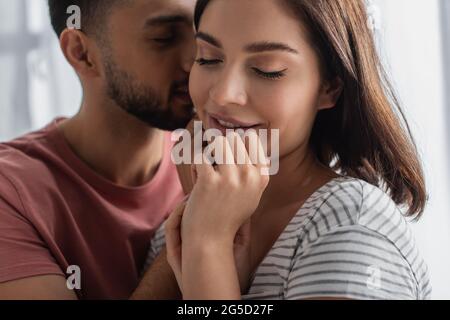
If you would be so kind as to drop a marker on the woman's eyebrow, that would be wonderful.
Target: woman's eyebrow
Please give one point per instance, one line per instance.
(269, 46)
(256, 47)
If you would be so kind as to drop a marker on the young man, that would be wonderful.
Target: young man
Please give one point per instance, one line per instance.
(82, 197)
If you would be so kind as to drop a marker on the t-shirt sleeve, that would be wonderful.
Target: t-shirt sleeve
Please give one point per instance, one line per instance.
(351, 262)
(22, 252)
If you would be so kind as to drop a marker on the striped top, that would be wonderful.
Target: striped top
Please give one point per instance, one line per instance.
(348, 240)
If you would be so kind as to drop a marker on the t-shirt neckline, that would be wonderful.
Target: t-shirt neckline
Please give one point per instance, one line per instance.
(98, 181)
(323, 189)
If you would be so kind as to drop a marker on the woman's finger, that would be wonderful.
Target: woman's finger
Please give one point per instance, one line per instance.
(204, 170)
(202, 166)
(255, 148)
(262, 161)
(194, 174)
(226, 161)
(240, 153)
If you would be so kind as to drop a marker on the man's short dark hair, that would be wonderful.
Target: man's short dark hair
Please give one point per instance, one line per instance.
(93, 13)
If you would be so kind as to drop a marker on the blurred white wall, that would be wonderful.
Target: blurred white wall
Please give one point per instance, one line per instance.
(412, 45)
(54, 87)
(36, 83)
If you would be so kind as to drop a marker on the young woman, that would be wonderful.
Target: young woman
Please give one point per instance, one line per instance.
(332, 224)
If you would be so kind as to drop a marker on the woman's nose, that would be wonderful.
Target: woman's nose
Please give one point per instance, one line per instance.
(229, 90)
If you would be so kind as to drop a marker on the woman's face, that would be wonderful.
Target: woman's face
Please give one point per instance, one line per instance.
(256, 69)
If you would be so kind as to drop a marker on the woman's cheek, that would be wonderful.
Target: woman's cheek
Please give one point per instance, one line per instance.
(290, 110)
(274, 105)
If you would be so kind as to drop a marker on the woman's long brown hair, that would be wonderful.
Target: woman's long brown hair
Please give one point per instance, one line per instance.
(366, 134)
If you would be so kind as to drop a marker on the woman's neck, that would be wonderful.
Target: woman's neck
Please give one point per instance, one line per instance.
(300, 174)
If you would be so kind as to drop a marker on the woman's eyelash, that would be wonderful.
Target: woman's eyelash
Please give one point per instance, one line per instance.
(270, 75)
(267, 75)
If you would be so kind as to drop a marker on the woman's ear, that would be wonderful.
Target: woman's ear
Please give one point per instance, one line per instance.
(80, 52)
(330, 93)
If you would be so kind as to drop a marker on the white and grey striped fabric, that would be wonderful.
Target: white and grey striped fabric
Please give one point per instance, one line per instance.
(349, 240)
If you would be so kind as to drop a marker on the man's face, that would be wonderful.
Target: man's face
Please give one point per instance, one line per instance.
(148, 52)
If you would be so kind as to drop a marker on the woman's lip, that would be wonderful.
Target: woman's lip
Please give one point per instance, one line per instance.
(235, 122)
(213, 123)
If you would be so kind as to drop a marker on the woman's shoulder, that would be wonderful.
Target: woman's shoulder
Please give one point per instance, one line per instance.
(351, 220)
(347, 201)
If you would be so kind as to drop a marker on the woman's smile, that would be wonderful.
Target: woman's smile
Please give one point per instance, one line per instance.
(223, 123)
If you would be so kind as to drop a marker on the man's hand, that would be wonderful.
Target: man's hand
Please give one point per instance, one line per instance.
(173, 241)
(185, 170)
(158, 283)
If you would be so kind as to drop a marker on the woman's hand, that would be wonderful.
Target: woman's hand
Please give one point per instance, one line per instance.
(221, 204)
(225, 196)
(242, 249)
(242, 256)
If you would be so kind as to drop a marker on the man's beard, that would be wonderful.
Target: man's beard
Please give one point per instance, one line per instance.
(142, 102)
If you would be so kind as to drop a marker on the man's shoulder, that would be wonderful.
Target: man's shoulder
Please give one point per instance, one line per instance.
(26, 160)
(26, 150)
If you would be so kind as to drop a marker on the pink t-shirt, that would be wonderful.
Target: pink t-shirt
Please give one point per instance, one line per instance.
(56, 212)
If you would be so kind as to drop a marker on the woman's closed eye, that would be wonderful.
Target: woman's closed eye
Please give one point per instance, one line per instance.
(273, 75)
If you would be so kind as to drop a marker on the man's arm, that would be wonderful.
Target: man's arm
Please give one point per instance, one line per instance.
(159, 282)
(27, 268)
(51, 287)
